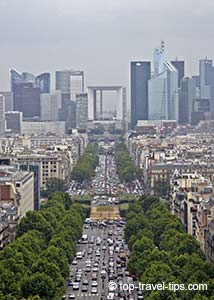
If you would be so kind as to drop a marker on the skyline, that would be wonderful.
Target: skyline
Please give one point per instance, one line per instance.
(101, 38)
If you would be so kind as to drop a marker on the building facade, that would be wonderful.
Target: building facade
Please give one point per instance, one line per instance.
(2, 114)
(163, 94)
(82, 111)
(27, 100)
(50, 105)
(140, 75)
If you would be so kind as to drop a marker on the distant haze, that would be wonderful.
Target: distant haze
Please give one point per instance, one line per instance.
(101, 37)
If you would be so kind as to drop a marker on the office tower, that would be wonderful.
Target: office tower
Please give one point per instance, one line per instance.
(27, 100)
(82, 111)
(2, 114)
(187, 94)
(163, 94)
(13, 121)
(140, 75)
(71, 117)
(8, 100)
(196, 79)
(70, 83)
(77, 83)
(50, 105)
(43, 82)
(201, 110)
(206, 73)
(15, 78)
(180, 67)
(159, 59)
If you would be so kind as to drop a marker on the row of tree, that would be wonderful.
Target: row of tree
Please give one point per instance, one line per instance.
(36, 264)
(162, 252)
(125, 166)
(85, 167)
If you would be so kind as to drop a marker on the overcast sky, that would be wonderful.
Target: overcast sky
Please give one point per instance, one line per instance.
(101, 36)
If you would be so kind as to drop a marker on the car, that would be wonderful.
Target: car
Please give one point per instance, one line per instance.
(85, 282)
(87, 269)
(94, 290)
(103, 274)
(74, 262)
(110, 296)
(84, 288)
(79, 255)
(76, 285)
(78, 278)
(95, 269)
(71, 296)
(70, 283)
(94, 284)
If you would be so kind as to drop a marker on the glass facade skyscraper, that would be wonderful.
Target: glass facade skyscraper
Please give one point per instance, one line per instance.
(180, 67)
(140, 75)
(27, 100)
(42, 81)
(163, 94)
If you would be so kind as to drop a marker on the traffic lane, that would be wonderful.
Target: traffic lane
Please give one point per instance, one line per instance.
(103, 233)
(81, 264)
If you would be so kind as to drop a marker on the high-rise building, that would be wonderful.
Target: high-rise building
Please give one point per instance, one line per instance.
(27, 100)
(77, 83)
(180, 67)
(13, 121)
(82, 111)
(206, 73)
(70, 83)
(187, 94)
(2, 113)
(159, 59)
(8, 100)
(201, 110)
(16, 78)
(42, 81)
(140, 75)
(163, 94)
(50, 105)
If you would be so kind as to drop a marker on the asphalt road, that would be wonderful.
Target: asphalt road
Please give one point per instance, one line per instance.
(103, 262)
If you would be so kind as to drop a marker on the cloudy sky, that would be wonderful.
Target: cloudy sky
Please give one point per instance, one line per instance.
(101, 36)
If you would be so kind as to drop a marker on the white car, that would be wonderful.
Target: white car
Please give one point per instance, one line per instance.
(110, 296)
(76, 285)
(94, 290)
(94, 284)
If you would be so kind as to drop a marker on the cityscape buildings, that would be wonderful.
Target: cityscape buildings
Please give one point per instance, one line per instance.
(2, 113)
(81, 111)
(163, 94)
(50, 105)
(140, 75)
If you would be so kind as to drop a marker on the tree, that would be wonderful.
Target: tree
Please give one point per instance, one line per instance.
(39, 284)
(35, 221)
(54, 185)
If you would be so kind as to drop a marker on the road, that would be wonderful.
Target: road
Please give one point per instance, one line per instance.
(98, 257)
(102, 256)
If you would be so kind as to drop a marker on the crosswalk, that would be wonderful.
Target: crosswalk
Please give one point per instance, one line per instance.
(88, 295)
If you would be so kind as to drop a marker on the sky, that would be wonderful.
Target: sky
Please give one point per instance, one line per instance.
(101, 37)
